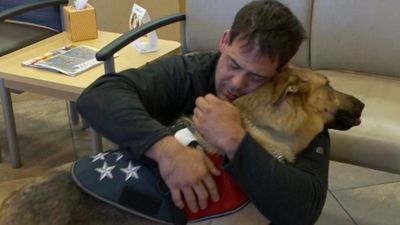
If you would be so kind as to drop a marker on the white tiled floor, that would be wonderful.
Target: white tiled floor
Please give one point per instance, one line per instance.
(361, 196)
(357, 196)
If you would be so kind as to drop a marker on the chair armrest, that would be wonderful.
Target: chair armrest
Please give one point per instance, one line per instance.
(8, 13)
(126, 38)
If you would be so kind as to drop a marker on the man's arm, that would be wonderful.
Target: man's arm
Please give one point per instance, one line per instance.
(176, 162)
(219, 123)
(284, 193)
(132, 108)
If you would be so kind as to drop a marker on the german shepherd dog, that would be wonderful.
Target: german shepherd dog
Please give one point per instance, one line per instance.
(283, 115)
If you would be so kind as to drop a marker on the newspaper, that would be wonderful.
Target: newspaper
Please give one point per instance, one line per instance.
(70, 60)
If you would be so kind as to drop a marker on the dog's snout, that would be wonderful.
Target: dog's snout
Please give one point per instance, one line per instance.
(349, 114)
(357, 106)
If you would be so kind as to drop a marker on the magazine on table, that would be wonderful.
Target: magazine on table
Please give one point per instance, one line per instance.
(70, 60)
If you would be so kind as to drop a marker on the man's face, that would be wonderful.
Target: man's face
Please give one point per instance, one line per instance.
(238, 71)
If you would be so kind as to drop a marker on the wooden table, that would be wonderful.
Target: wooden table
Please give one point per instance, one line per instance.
(15, 76)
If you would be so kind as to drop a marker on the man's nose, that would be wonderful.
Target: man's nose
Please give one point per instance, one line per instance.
(239, 81)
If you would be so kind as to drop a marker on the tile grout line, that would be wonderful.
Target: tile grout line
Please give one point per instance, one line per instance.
(344, 209)
(365, 186)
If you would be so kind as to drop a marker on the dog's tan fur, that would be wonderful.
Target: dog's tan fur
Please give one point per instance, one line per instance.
(283, 115)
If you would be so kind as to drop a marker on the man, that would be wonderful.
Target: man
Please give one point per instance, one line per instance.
(135, 108)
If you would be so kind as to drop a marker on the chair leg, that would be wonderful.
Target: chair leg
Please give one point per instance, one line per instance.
(75, 116)
(97, 145)
(85, 124)
(9, 122)
(73, 113)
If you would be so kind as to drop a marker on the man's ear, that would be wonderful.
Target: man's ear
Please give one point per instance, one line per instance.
(224, 40)
(292, 84)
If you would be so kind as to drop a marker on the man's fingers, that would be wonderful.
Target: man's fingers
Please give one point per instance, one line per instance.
(211, 98)
(190, 199)
(211, 167)
(196, 112)
(209, 181)
(201, 102)
(212, 188)
(177, 198)
(206, 100)
(202, 195)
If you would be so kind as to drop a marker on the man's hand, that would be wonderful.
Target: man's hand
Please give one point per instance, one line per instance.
(186, 171)
(219, 123)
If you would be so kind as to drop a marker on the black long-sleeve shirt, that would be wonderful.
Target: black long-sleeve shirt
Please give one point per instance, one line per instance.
(133, 109)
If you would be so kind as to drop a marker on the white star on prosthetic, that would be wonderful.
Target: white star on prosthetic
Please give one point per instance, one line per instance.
(131, 171)
(105, 171)
(98, 156)
(118, 155)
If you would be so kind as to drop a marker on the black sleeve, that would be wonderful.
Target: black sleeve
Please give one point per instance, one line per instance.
(131, 108)
(287, 194)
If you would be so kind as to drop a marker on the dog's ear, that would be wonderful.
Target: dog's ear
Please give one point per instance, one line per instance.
(286, 86)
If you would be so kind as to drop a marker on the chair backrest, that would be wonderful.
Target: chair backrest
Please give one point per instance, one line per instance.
(206, 20)
(47, 16)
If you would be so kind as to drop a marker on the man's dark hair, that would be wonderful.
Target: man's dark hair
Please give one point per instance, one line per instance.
(270, 26)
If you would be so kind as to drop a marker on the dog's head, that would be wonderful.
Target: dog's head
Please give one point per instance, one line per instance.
(315, 94)
(300, 97)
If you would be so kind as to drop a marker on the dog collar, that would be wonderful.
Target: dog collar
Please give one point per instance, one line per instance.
(273, 150)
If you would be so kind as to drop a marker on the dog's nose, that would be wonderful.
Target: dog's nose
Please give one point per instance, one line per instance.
(358, 105)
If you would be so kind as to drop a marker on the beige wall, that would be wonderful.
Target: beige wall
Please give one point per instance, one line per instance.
(113, 15)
